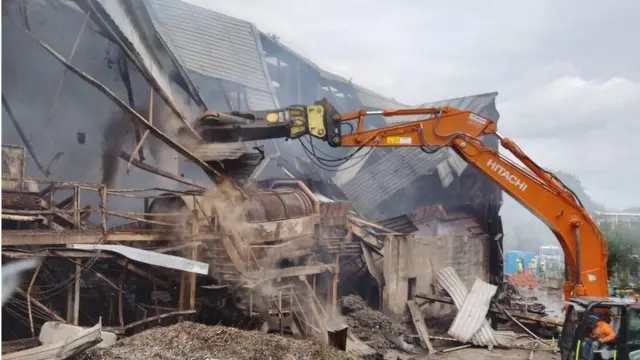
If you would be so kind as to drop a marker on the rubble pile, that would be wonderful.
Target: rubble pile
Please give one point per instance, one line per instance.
(371, 326)
(189, 340)
(511, 298)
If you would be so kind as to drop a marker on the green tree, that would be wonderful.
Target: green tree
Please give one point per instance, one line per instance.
(624, 249)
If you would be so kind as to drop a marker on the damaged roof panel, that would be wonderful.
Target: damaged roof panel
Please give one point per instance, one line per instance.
(402, 166)
(216, 45)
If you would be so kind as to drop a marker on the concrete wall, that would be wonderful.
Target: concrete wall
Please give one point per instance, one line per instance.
(420, 257)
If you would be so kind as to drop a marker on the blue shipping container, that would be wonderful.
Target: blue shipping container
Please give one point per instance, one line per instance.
(510, 266)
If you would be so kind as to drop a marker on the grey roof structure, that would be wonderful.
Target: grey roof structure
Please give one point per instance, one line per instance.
(372, 99)
(222, 47)
(216, 45)
(401, 167)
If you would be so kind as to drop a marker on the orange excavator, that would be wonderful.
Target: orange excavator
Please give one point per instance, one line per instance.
(535, 188)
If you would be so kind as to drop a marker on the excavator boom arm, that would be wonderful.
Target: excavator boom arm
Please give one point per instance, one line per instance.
(535, 188)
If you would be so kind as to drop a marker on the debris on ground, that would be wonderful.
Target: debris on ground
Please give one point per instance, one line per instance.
(511, 298)
(483, 335)
(189, 340)
(371, 326)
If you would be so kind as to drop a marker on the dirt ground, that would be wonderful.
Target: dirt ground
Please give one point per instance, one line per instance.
(483, 354)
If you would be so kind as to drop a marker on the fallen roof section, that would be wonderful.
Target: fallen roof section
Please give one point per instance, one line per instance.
(151, 257)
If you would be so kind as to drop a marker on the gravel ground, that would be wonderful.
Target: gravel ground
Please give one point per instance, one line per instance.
(369, 325)
(192, 341)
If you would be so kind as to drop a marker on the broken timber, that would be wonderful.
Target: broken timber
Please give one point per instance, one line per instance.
(420, 325)
(518, 315)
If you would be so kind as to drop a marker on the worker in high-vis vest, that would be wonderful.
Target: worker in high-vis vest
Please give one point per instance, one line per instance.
(533, 265)
(520, 266)
(542, 269)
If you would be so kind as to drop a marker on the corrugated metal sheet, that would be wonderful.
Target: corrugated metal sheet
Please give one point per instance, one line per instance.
(397, 170)
(401, 224)
(151, 257)
(216, 45)
(211, 152)
(405, 165)
(485, 336)
(472, 315)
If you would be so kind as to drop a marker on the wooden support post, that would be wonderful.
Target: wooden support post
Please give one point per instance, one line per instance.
(336, 277)
(195, 229)
(33, 280)
(76, 295)
(123, 276)
(183, 301)
(51, 207)
(76, 207)
(69, 312)
(328, 298)
(73, 297)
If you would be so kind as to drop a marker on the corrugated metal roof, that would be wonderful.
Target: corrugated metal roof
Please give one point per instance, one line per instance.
(451, 282)
(216, 45)
(473, 313)
(397, 170)
(376, 182)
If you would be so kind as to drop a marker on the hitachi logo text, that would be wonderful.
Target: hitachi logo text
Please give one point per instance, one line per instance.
(502, 172)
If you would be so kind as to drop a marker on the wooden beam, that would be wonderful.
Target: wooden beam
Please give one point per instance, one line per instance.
(290, 272)
(143, 273)
(421, 326)
(51, 237)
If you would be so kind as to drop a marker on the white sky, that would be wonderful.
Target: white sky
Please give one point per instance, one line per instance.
(568, 72)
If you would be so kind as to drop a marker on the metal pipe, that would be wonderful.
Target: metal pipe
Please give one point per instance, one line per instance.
(576, 234)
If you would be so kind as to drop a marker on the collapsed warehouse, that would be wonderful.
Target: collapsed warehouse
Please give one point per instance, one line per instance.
(138, 224)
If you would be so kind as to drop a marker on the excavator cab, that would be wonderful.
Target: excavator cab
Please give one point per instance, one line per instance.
(581, 318)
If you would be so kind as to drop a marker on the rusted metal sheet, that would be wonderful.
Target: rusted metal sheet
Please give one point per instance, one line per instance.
(401, 224)
(335, 213)
(278, 204)
(261, 206)
(473, 313)
(258, 233)
(21, 201)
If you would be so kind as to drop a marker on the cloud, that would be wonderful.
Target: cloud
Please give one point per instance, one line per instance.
(566, 71)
